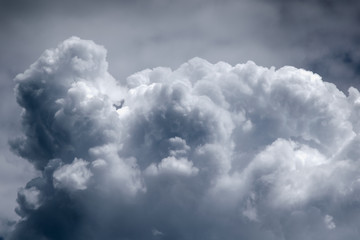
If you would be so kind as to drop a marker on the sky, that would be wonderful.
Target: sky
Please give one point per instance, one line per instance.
(215, 139)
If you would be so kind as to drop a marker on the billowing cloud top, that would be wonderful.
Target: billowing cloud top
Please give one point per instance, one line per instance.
(208, 151)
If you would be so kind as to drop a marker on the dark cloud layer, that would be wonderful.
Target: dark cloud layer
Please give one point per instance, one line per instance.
(326, 30)
(318, 35)
(206, 151)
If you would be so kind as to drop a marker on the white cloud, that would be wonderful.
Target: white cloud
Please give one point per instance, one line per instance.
(173, 166)
(74, 176)
(190, 149)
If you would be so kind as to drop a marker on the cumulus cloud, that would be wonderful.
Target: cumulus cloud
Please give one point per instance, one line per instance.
(72, 176)
(206, 151)
(172, 165)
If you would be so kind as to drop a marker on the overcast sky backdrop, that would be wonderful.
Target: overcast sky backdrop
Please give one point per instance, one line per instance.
(318, 35)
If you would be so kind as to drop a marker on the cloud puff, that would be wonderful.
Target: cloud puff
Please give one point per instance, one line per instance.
(72, 176)
(207, 151)
(172, 165)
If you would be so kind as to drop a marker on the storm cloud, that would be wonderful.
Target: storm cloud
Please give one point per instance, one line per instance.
(206, 151)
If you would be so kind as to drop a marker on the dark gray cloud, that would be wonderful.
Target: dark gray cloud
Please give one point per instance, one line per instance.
(327, 32)
(206, 151)
(318, 35)
(14, 172)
